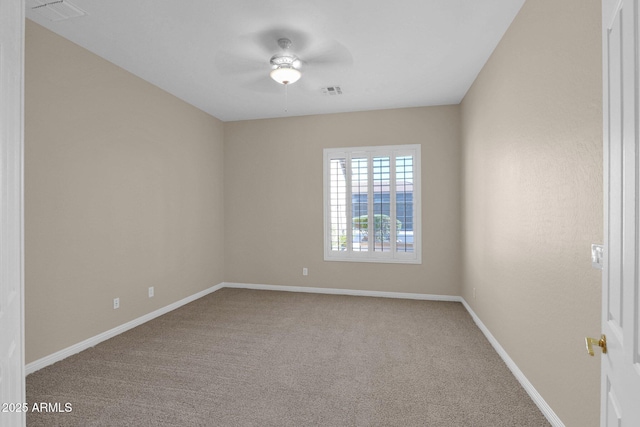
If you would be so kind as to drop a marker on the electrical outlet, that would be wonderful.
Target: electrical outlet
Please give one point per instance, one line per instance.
(305, 271)
(151, 292)
(116, 303)
(474, 293)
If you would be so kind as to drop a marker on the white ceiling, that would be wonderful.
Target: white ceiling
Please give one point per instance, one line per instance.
(214, 54)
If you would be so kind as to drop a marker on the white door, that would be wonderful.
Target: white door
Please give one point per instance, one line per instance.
(620, 393)
(12, 391)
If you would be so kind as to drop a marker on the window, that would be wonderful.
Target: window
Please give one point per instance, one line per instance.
(372, 204)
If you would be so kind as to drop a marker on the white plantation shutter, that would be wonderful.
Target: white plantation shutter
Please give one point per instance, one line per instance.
(372, 204)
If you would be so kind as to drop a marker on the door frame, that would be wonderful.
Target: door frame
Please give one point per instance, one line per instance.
(12, 39)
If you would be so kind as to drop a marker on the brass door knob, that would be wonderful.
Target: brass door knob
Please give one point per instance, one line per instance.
(602, 343)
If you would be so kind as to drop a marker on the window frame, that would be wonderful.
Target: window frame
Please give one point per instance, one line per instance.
(392, 151)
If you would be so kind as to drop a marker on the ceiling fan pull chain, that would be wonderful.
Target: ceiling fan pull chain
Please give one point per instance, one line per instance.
(286, 99)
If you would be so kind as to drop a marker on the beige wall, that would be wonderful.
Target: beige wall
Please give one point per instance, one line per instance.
(123, 190)
(274, 208)
(532, 199)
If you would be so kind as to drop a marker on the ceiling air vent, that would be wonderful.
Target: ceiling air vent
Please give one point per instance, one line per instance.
(332, 90)
(56, 10)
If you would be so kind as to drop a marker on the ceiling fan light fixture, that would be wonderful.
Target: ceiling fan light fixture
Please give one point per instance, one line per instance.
(285, 74)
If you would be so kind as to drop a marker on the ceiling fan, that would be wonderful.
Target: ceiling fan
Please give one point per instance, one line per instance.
(284, 55)
(285, 65)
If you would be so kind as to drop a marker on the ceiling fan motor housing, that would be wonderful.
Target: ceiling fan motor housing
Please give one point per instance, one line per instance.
(284, 61)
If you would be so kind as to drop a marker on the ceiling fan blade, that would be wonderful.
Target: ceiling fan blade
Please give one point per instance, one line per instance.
(253, 51)
(328, 53)
(238, 62)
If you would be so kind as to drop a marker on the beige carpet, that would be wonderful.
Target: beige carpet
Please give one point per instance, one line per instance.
(262, 358)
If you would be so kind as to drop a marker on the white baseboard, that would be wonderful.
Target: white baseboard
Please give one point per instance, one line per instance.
(529, 388)
(336, 291)
(91, 342)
